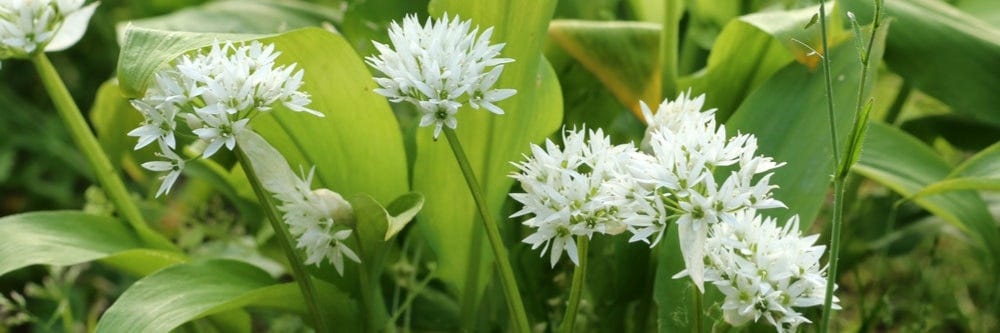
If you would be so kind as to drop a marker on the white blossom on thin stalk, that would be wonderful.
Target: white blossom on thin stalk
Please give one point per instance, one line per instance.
(316, 219)
(692, 175)
(31, 26)
(564, 191)
(438, 67)
(320, 220)
(213, 95)
(765, 270)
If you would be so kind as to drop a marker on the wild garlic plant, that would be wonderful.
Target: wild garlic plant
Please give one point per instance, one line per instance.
(213, 95)
(439, 67)
(689, 173)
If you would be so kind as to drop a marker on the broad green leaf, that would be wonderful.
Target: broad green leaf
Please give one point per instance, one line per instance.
(623, 55)
(178, 294)
(979, 172)
(65, 238)
(753, 48)
(943, 52)
(490, 141)
(248, 17)
(906, 165)
(986, 10)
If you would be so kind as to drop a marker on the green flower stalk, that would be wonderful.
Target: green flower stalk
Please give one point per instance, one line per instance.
(440, 67)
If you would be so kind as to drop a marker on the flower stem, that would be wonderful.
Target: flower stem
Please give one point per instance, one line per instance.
(579, 275)
(838, 182)
(697, 308)
(305, 281)
(669, 47)
(104, 171)
(514, 303)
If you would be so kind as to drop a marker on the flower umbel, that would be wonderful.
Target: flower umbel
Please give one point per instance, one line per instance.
(30, 26)
(765, 270)
(438, 67)
(564, 190)
(213, 95)
(682, 178)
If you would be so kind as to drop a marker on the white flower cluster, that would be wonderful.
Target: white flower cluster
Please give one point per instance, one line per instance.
(439, 66)
(677, 180)
(215, 93)
(563, 188)
(689, 174)
(28, 26)
(765, 270)
(316, 219)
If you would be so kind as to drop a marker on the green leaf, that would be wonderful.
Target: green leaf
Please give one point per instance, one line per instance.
(249, 17)
(623, 55)
(906, 165)
(979, 172)
(65, 238)
(402, 211)
(857, 138)
(490, 141)
(928, 37)
(753, 48)
(178, 294)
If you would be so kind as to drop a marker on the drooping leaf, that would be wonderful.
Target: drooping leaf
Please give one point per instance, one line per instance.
(490, 141)
(178, 294)
(906, 165)
(65, 238)
(943, 52)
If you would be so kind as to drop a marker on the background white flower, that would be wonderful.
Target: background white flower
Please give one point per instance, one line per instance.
(565, 191)
(216, 93)
(30, 26)
(438, 67)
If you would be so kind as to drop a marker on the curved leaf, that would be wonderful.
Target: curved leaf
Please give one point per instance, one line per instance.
(906, 165)
(979, 172)
(490, 141)
(70, 237)
(178, 294)
(623, 55)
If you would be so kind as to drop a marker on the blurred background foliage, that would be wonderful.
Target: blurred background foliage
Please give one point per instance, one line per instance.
(906, 266)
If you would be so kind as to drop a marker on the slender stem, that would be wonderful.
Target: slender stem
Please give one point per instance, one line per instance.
(576, 289)
(831, 278)
(669, 48)
(829, 87)
(696, 307)
(514, 303)
(104, 171)
(305, 281)
(369, 292)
